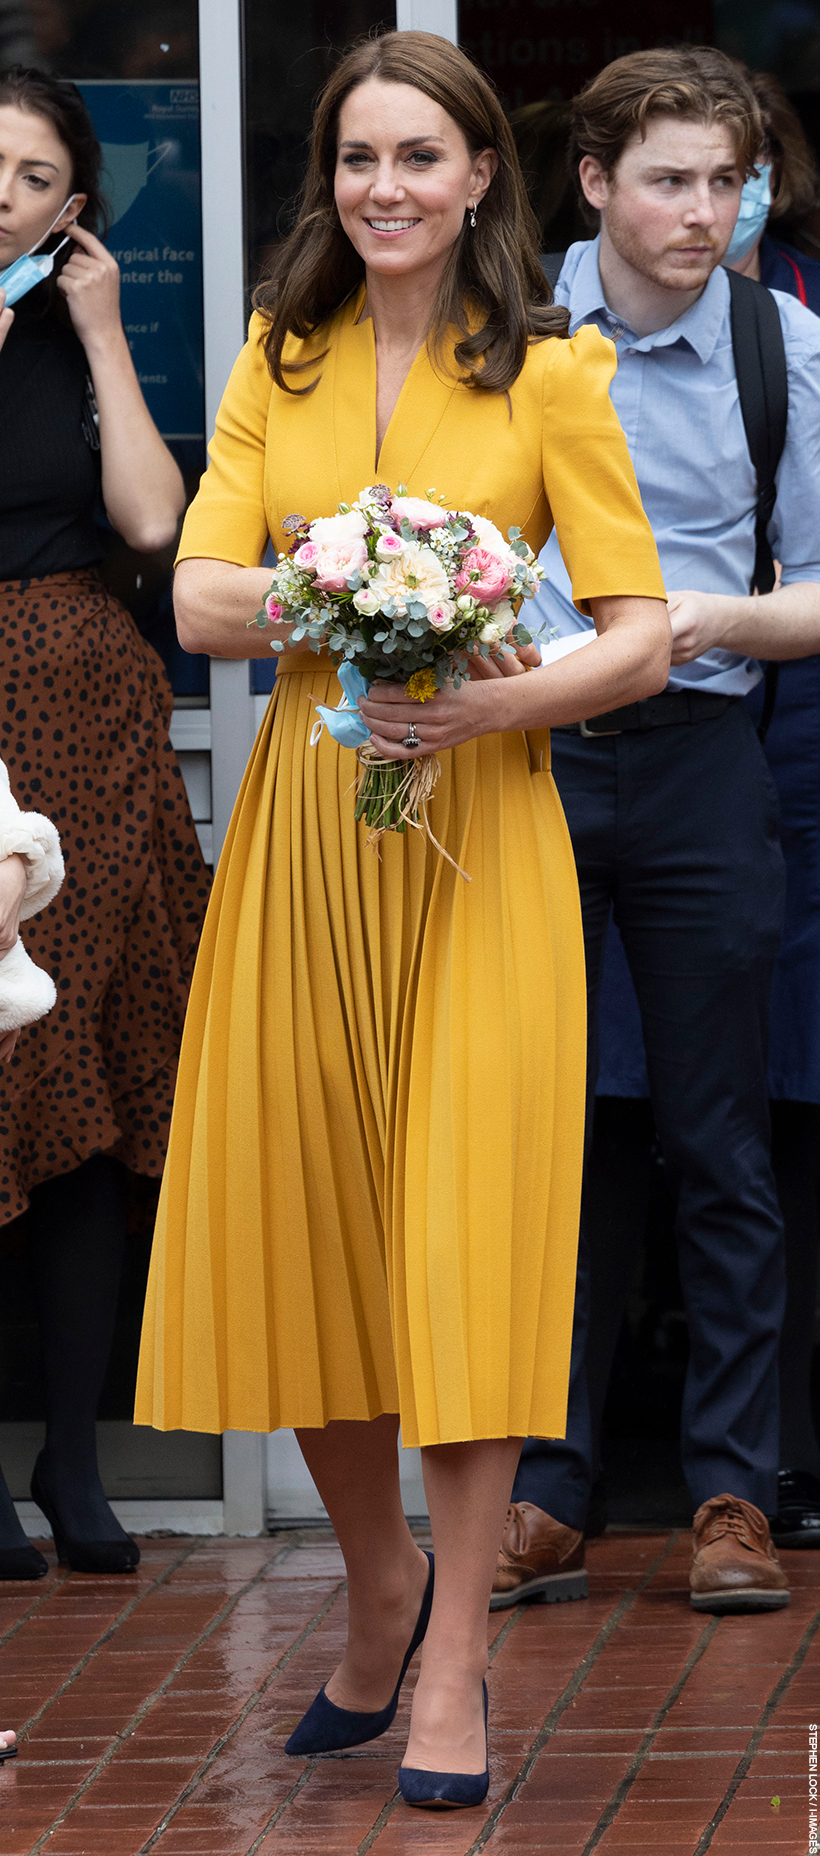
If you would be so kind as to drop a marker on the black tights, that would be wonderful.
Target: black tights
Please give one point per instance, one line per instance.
(76, 1235)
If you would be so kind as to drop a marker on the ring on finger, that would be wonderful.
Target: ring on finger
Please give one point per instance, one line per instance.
(411, 740)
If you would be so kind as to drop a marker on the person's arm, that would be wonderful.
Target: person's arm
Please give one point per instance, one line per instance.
(6, 318)
(785, 623)
(215, 603)
(780, 625)
(142, 487)
(628, 660)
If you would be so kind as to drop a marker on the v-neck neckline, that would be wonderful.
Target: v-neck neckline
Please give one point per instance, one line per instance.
(407, 433)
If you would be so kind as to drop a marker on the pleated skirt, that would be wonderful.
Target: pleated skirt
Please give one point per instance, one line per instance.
(371, 1197)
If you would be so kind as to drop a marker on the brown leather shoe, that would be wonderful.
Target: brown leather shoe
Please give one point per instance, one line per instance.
(538, 1559)
(734, 1565)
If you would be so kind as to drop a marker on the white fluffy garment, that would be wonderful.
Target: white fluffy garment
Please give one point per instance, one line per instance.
(26, 992)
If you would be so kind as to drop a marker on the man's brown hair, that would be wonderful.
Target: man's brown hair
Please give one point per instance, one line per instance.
(695, 82)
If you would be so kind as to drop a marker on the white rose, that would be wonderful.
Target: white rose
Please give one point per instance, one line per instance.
(366, 602)
(441, 616)
(417, 573)
(490, 537)
(491, 633)
(504, 616)
(389, 546)
(329, 529)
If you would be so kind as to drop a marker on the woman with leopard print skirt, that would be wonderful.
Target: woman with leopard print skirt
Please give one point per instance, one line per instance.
(84, 714)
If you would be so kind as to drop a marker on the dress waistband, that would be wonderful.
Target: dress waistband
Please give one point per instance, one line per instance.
(300, 663)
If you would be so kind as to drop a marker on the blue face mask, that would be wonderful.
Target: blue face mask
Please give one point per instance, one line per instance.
(755, 206)
(27, 271)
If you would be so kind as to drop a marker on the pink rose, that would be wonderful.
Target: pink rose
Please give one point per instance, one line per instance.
(441, 615)
(336, 564)
(483, 575)
(307, 555)
(274, 611)
(418, 512)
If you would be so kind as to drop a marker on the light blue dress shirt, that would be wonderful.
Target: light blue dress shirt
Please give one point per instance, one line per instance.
(675, 393)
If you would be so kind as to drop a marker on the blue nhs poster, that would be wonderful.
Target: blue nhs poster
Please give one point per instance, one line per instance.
(150, 140)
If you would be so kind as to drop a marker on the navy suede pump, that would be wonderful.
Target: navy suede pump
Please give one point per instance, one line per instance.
(328, 1729)
(442, 1791)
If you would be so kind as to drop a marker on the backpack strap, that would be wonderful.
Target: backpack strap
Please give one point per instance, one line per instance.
(762, 383)
(551, 265)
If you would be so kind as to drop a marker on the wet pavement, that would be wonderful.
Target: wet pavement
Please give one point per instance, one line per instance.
(153, 1709)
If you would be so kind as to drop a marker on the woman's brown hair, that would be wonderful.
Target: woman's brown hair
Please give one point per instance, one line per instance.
(795, 179)
(493, 290)
(695, 82)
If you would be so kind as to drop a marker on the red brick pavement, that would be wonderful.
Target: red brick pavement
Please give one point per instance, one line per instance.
(153, 1709)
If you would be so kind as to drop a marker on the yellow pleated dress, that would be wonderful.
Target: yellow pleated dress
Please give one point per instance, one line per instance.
(371, 1196)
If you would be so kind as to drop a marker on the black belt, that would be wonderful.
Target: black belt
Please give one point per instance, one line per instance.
(671, 707)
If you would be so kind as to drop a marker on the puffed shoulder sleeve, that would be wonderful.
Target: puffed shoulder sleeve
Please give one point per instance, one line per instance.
(227, 520)
(605, 539)
(29, 835)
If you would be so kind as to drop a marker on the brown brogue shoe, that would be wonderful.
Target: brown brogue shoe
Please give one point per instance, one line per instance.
(538, 1559)
(734, 1565)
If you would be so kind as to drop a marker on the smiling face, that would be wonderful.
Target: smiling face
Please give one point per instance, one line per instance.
(404, 178)
(669, 207)
(35, 181)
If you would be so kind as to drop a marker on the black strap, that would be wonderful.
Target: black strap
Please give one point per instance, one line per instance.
(760, 365)
(551, 265)
(762, 382)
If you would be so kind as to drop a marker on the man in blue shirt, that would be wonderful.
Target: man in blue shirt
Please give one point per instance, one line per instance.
(670, 804)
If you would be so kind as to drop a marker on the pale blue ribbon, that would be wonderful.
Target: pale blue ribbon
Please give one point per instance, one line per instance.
(344, 722)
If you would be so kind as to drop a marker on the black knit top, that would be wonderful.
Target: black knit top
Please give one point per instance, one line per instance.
(49, 474)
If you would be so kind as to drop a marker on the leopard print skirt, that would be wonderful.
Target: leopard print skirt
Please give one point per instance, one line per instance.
(85, 708)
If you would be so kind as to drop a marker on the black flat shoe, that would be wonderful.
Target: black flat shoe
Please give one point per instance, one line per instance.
(447, 1791)
(328, 1729)
(797, 1522)
(97, 1556)
(8, 1752)
(22, 1563)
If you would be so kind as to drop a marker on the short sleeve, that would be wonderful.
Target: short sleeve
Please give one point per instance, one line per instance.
(605, 538)
(227, 519)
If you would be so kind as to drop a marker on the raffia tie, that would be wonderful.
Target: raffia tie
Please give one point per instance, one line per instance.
(414, 791)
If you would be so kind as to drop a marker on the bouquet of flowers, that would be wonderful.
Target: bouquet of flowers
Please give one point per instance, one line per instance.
(400, 588)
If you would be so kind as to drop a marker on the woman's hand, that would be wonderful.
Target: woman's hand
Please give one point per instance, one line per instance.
(90, 283)
(445, 720)
(13, 879)
(6, 318)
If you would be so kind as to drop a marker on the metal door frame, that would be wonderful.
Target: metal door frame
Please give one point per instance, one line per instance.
(232, 704)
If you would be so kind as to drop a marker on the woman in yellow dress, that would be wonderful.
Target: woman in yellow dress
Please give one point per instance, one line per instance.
(370, 1207)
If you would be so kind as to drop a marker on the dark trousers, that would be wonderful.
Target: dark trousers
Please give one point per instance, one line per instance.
(676, 830)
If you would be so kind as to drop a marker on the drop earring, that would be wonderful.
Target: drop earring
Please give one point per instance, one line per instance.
(472, 214)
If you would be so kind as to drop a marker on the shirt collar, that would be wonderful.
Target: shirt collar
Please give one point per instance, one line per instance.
(699, 326)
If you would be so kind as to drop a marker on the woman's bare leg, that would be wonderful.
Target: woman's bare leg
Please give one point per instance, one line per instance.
(356, 1469)
(468, 1491)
